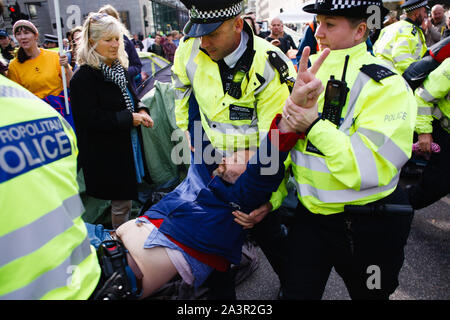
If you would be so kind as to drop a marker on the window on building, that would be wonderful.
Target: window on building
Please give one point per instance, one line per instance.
(32, 10)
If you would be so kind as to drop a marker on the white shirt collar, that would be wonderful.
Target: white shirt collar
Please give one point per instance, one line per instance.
(233, 57)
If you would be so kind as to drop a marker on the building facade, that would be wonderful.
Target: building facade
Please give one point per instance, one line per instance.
(139, 16)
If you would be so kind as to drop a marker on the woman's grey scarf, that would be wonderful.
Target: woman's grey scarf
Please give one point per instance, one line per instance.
(116, 74)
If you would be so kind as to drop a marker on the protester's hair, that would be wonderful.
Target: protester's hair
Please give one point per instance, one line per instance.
(96, 27)
(21, 54)
(110, 10)
(354, 22)
(76, 29)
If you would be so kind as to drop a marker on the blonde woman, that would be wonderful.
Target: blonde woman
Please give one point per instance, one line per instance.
(135, 64)
(107, 112)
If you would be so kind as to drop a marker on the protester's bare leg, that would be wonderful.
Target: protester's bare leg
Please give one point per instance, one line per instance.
(155, 264)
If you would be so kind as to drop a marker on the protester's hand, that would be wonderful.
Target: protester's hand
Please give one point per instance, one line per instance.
(232, 167)
(425, 140)
(300, 109)
(63, 60)
(143, 118)
(249, 220)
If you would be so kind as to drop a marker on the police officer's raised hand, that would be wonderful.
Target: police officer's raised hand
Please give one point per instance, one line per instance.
(301, 107)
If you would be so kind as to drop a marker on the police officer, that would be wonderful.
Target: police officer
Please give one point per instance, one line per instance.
(433, 124)
(347, 168)
(230, 81)
(403, 42)
(44, 248)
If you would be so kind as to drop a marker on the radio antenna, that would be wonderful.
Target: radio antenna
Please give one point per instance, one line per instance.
(345, 67)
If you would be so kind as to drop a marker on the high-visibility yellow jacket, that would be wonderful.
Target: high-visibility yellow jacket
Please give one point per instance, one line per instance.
(263, 95)
(433, 99)
(362, 158)
(400, 44)
(44, 249)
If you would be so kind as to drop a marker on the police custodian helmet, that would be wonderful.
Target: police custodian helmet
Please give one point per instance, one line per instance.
(205, 16)
(346, 8)
(411, 5)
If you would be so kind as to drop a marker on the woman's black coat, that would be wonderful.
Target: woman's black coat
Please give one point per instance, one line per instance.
(103, 127)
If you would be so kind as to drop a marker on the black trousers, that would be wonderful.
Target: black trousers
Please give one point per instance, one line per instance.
(270, 237)
(366, 251)
(435, 180)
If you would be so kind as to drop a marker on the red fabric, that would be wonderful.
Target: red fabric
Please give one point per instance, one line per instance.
(212, 260)
(287, 140)
(443, 54)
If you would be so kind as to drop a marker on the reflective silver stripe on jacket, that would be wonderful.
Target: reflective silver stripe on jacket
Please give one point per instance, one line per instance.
(180, 90)
(360, 82)
(36, 234)
(53, 279)
(228, 128)
(269, 74)
(342, 196)
(425, 95)
(424, 111)
(386, 147)
(12, 92)
(191, 66)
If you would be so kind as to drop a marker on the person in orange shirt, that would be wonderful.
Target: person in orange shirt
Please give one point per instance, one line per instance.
(37, 69)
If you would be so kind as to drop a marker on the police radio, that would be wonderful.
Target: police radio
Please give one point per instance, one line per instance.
(335, 98)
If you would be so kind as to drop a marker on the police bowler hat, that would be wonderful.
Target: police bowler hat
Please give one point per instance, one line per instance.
(205, 16)
(346, 8)
(50, 38)
(411, 5)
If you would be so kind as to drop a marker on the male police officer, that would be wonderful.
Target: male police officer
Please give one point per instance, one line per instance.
(44, 248)
(433, 124)
(351, 156)
(403, 42)
(238, 80)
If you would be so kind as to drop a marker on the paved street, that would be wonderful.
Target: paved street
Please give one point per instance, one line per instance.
(425, 274)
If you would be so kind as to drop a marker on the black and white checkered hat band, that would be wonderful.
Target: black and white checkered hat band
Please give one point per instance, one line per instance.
(416, 6)
(215, 15)
(347, 4)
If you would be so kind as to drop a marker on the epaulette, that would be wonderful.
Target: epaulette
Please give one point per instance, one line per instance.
(377, 72)
(283, 69)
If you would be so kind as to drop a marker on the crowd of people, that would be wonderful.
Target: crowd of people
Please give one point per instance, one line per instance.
(253, 122)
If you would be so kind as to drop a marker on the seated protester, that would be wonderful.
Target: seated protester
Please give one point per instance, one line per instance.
(194, 229)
